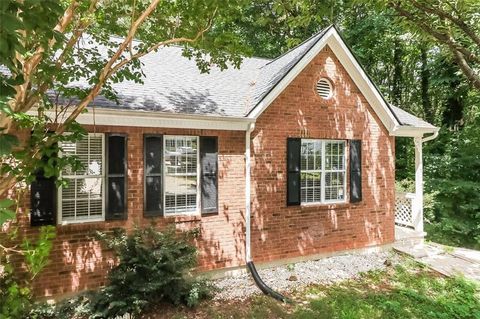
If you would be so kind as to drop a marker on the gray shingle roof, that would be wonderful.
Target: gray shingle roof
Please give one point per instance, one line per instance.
(173, 84)
(408, 119)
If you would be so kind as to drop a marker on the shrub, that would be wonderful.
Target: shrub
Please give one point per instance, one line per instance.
(14, 298)
(15, 288)
(153, 266)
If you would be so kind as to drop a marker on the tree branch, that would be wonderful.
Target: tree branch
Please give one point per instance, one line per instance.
(467, 70)
(459, 55)
(158, 45)
(31, 64)
(105, 71)
(442, 37)
(78, 30)
(443, 14)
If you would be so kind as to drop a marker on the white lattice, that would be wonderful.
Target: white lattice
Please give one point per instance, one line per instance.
(403, 209)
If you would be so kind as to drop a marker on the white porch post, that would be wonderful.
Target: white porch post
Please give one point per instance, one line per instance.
(418, 202)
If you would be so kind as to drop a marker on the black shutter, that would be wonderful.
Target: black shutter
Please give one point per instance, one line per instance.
(209, 177)
(294, 146)
(355, 171)
(43, 194)
(42, 201)
(153, 194)
(116, 205)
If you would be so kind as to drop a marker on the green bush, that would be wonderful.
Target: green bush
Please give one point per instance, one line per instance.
(153, 266)
(14, 298)
(15, 289)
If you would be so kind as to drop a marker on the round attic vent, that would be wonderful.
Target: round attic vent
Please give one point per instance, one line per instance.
(324, 88)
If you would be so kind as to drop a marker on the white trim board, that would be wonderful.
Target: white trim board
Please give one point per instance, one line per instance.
(121, 117)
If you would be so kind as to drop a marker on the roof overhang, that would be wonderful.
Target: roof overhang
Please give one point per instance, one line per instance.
(140, 118)
(333, 39)
(412, 131)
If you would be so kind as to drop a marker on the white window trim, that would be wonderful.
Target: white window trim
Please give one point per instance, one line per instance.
(197, 211)
(59, 196)
(323, 173)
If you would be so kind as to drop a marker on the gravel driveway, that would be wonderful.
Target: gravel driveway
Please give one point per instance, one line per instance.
(291, 276)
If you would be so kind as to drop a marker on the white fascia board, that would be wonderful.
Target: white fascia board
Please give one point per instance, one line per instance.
(342, 52)
(122, 117)
(412, 131)
(292, 74)
(361, 80)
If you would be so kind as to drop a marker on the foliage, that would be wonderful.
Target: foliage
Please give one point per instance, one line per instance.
(6, 212)
(14, 298)
(452, 24)
(15, 288)
(453, 170)
(153, 266)
(36, 254)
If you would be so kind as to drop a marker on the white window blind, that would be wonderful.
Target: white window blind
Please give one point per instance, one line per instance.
(82, 198)
(180, 174)
(322, 171)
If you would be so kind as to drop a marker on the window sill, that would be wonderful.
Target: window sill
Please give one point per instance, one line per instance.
(87, 225)
(324, 206)
(184, 218)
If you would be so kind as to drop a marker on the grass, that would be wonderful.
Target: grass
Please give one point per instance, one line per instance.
(406, 291)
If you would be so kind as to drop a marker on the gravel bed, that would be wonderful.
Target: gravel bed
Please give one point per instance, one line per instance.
(292, 276)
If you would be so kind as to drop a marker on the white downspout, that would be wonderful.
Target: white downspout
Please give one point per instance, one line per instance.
(248, 255)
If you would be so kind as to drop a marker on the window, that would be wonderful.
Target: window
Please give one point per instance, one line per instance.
(180, 174)
(322, 170)
(82, 199)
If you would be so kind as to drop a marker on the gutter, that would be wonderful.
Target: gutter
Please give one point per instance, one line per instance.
(430, 137)
(248, 253)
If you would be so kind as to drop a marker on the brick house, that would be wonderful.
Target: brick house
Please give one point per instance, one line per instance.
(280, 159)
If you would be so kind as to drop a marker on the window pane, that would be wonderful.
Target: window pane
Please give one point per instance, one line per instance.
(181, 178)
(334, 186)
(82, 197)
(312, 171)
(318, 155)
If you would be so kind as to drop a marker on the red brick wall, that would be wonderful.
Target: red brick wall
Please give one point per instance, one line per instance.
(79, 263)
(279, 231)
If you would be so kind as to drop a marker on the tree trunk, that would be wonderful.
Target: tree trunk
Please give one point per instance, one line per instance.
(396, 96)
(425, 84)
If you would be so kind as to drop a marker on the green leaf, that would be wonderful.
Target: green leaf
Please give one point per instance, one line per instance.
(6, 203)
(6, 213)
(7, 141)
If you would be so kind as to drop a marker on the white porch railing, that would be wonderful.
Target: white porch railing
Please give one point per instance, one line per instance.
(404, 212)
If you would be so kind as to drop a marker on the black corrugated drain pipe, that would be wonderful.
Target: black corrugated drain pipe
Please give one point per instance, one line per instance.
(263, 287)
